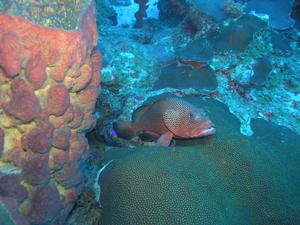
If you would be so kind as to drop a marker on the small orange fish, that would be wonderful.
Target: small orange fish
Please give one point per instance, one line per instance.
(192, 63)
(164, 119)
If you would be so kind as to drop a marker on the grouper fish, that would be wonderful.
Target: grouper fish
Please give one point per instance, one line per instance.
(165, 119)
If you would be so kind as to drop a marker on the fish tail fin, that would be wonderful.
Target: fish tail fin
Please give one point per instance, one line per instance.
(125, 130)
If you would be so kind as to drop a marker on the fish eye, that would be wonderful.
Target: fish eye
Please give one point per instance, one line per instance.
(191, 116)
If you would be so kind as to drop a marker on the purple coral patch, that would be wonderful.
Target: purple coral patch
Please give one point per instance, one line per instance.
(10, 187)
(36, 170)
(24, 104)
(58, 100)
(46, 205)
(36, 140)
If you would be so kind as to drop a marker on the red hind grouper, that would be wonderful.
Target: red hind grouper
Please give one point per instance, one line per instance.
(164, 119)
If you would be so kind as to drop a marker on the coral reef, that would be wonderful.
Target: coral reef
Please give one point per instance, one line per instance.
(141, 13)
(198, 24)
(248, 172)
(233, 8)
(276, 11)
(55, 13)
(107, 15)
(296, 10)
(87, 210)
(225, 179)
(49, 83)
(172, 10)
(253, 71)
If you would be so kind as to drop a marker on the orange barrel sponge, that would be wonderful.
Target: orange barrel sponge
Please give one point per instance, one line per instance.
(49, 83)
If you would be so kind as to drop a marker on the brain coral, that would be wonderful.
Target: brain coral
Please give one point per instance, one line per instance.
(49, 82)
(223, 179)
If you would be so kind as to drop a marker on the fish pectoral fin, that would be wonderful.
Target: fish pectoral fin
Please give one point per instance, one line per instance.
(147, 135)
(165, 139)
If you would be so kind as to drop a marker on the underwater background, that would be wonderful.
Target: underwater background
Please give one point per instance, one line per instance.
(71, 70)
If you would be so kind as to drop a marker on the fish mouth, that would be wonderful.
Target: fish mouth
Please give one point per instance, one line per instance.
(208, 131)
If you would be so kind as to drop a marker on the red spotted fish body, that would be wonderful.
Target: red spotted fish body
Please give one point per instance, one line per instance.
(165, 119)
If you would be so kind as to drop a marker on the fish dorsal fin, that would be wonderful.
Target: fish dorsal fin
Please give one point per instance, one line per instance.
(137, 114)
(172, 120)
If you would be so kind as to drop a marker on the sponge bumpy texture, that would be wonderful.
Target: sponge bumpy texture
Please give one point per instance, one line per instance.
(49, 82)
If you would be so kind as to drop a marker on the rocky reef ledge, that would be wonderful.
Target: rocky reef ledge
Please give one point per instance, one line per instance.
(49, 83)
